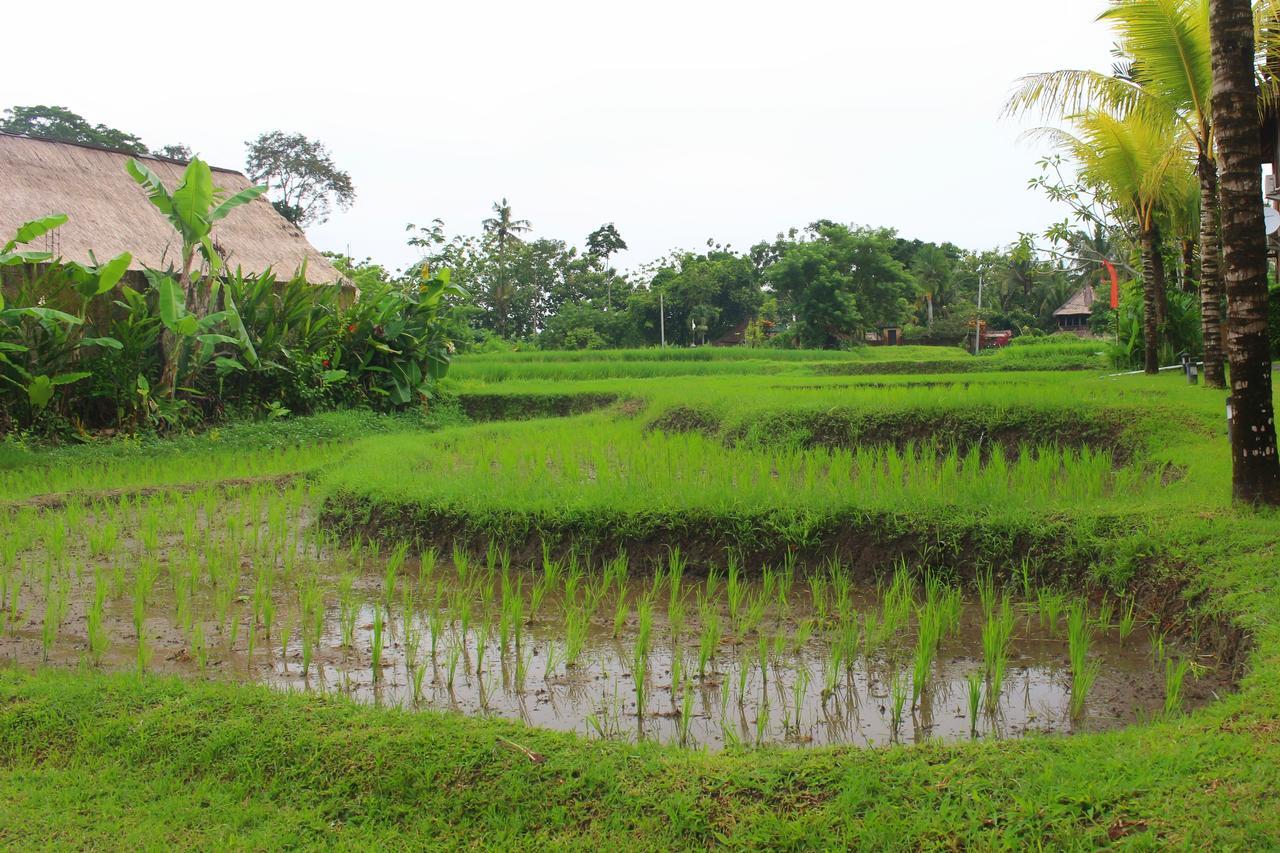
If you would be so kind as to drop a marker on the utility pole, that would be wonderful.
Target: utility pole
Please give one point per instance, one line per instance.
(662, 321)
(977, 323)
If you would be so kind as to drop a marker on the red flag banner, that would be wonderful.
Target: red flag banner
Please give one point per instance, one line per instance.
(1115, 284)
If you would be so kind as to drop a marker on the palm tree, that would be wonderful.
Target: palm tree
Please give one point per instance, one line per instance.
(1255, 476)
(1169, 74)
(504, 230)
(1135, 161)
(932, 271)
(503, 227)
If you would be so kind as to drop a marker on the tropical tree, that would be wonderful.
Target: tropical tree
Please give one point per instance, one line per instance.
(932, 270)
(841, 283)
(302, 174)
(1255, 464)
(602, 243)
(504, 230)
(1136, 160)
(60, 123)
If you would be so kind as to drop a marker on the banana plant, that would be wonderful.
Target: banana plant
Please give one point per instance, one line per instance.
(90, 281)
(199, 336)
(193, 207)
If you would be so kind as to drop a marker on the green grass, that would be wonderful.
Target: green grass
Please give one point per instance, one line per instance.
(88, 759)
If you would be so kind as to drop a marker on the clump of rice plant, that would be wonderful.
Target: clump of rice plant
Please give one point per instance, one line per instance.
(897, 701)
(799, 688)
(1050, 603)
(375, 650)
(1128, 620)
(1175, 673)
(95, 630)
(997, 635)
(709, 639)
(577, 623)
(974, 683)
(640, 651)
(1083, 671)
(930, 620)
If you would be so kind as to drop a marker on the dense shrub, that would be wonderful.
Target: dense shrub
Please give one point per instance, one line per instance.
(81, 348)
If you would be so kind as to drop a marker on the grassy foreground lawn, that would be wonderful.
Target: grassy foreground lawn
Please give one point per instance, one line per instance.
(96, 760)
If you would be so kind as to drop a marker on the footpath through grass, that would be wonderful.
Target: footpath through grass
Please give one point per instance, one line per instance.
(88, 759)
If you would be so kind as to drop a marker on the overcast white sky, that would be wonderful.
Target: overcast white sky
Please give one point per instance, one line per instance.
(678, 121)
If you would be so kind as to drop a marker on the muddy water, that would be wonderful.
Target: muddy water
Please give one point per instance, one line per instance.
(796, 697)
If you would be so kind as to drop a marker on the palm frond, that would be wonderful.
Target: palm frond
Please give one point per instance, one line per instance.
(1055, 94)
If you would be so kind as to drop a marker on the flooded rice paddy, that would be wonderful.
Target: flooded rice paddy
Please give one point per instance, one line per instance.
(245, 585)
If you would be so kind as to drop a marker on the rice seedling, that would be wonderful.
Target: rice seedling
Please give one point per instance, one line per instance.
(997, 633)
(676, 605)
(537, 595)
(832, 667)
(461, 564)
(348, 609)
(96, 634)
(482, 644)
(455, 654)
(1158, 646)
(435, 619)
(818, 596)
(286, 632)
(640, 651)
(199, 649)
(523, 659)
(709, 638)
(576, 625)
(1128, 620)
(551, 661)
(735, 588)
(410, 633)
(929, 619)
(753, 615)
(1050, 604)
(804, 630)
(1106, 612)
(897, 701)
(416, 674)
(974, 683)
(621, 609)
(762, 657)
(311, 620)
(1175, 673)
(395, 560)
(376, 649)
(1083, 670)
(686, 714)
(799, 688)
(55, 609)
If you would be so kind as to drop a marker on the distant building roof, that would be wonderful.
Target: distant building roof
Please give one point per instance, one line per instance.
(1081, 302)
(108, 213)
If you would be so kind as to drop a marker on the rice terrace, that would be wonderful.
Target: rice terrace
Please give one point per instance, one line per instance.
(843, 539)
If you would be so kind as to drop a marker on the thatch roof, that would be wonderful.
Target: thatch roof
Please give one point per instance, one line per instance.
(1081, 302)
(109, 213)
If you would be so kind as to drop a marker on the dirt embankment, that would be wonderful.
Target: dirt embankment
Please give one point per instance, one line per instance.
(847, 428)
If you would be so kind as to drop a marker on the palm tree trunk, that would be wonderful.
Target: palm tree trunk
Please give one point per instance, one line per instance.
(1160, 283)
(1255, 475)
(929, 302)
(1210, 274)
(1189, 265)
(1152, 283)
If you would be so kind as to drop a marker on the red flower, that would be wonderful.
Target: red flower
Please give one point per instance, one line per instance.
(325, 362)
(351, 330)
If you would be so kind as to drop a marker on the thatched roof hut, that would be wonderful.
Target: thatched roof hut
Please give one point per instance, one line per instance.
(1074, 314)
(109, 213)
